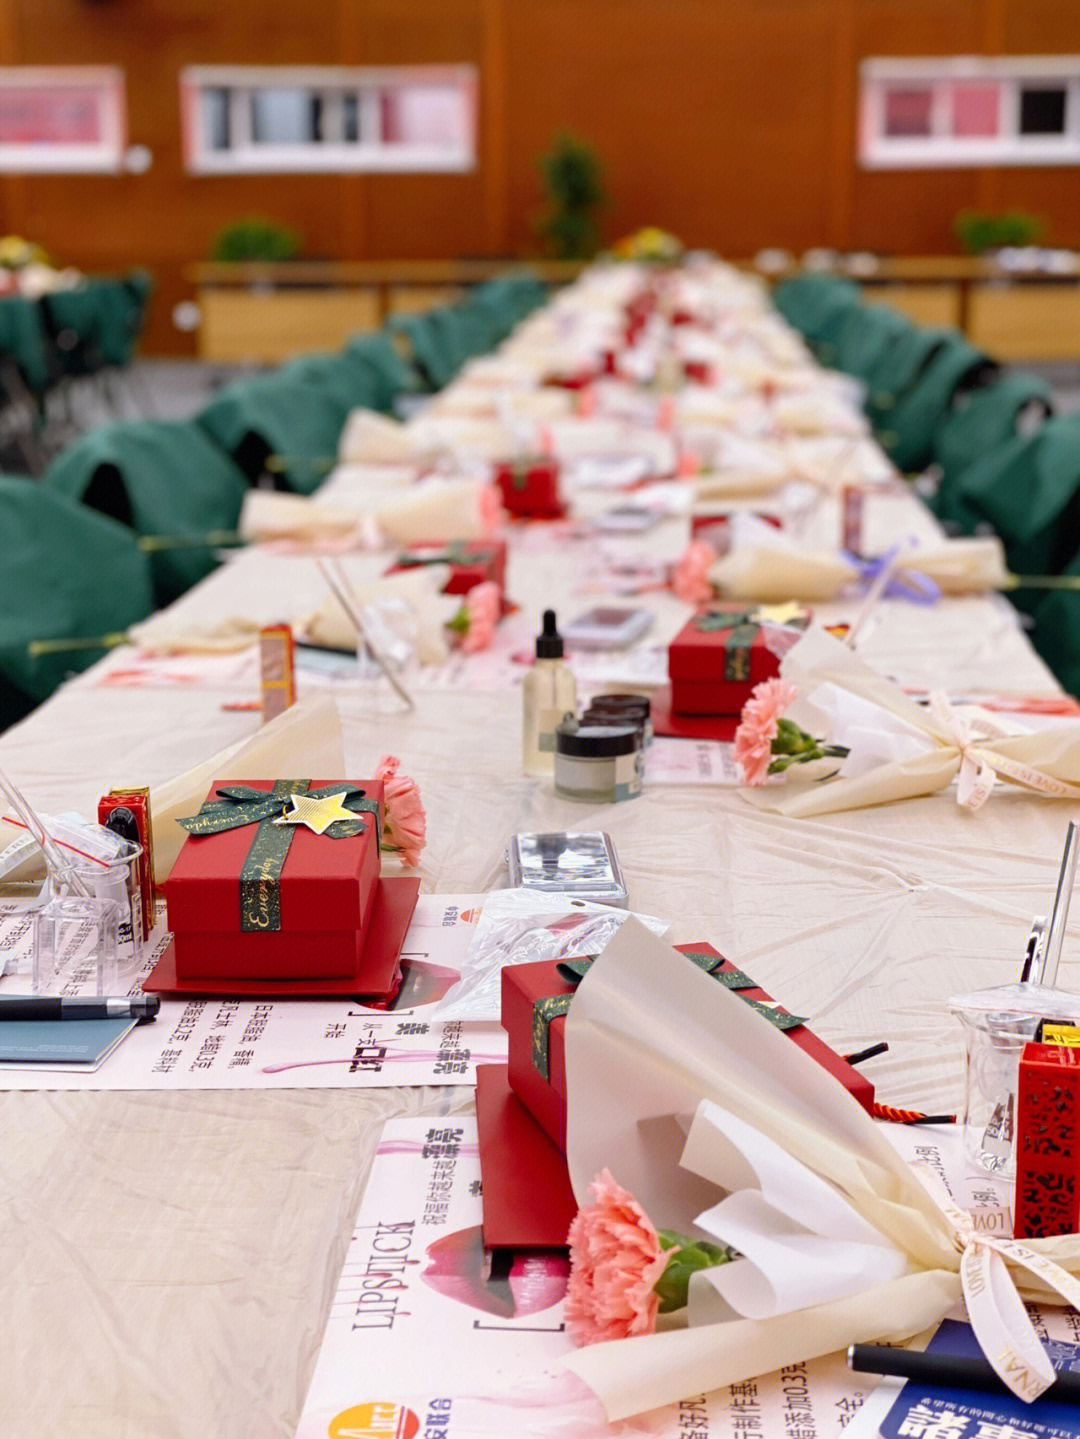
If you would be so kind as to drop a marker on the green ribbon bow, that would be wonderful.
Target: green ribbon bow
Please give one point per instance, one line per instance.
(260, 876)
(745, 626)
(574, 971)
(456, 553)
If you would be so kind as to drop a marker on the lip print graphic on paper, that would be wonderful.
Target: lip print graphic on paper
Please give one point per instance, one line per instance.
(378, 1420)
(422, 983)
(517, 1285)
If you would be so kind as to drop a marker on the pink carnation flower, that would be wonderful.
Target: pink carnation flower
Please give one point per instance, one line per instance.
(690, 577)
(489, 509)
(406, 822)
(483, 605)
(615, 1262)
(758, 725)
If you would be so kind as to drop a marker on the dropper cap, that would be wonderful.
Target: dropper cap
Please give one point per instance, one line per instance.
(549, 642)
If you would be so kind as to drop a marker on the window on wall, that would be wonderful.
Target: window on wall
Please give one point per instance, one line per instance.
(970, 111)
(61, 119)
(283, 120)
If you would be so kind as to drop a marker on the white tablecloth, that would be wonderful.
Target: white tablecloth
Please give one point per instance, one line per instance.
(169, 1258)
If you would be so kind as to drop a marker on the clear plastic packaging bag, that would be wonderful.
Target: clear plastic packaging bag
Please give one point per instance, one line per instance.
(522, 927)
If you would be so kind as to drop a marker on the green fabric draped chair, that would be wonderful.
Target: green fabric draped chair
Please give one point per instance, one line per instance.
(431, 346)
(864, 333)
(76, 575)
(908, 437)
(24, 341)
(985, 420)
(809, 301)
(898, 367)
(1028, 492)
(1056, 633)
(97, 325)
(389, 373)
(507, 299)
(279, 425)
(166, 480)
(347, 381)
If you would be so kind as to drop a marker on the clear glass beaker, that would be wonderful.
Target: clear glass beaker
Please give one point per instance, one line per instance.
(997, 1024)
(90, 922)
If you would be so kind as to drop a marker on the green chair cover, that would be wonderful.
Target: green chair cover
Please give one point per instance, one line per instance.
(467, 330)
(823, 336)
(389, 373)
(1056, 634)
(275, 424)
(432, 350)
(807, 301)
(348, 382)
(97, 324)
(898, 367)
(984, 421)
(507, 299)
(1028, 492)
(864, 333)
(76, 575)
(24, 341)
(913, 421)
(164, 479)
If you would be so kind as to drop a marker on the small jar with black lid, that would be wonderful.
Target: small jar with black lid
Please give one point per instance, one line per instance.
(622, 709)
(598, 763)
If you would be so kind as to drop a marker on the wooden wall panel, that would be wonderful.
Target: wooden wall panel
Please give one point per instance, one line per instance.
(424, 216)
(710, 120)
(730, 122)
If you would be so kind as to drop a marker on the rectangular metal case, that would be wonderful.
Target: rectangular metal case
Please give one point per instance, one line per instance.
(583, 864)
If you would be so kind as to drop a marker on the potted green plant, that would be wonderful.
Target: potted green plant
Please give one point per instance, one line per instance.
(979, 232)
(572, 175)
(255, 238)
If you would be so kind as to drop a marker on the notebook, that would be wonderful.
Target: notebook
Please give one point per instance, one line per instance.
(81, 1045)
(929, 1411)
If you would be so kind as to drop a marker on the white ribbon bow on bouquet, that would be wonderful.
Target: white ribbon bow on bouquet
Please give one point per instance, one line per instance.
(918, 749)
(840, 1242)
(1002, 1326)
(981, 762)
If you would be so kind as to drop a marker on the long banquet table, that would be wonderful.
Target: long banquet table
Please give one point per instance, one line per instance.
(169, 1258)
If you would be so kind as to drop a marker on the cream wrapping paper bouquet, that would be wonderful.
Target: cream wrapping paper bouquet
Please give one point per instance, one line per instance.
(915, 749)
(268, 515)
(436, 509)
(766, 566)
(304, 739)
(371, 438)
(415, 593)
(718, 1124)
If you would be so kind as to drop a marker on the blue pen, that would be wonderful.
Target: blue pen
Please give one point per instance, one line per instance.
(47, 1006)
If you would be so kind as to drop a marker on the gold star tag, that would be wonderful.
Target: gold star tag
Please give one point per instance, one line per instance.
(317, 814)
(780, 614)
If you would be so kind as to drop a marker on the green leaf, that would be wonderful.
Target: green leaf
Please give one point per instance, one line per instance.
(690, 1256)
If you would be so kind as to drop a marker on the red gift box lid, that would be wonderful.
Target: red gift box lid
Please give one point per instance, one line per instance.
(321, 883)
(528, 1202)
(702, 654)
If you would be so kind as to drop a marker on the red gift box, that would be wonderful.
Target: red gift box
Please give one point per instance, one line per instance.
(472, 562)
(1047, 1145)
(528, 1201)
(716, 659)
(530, 488)
(579, 379)
(325, 893)
(524, 985)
